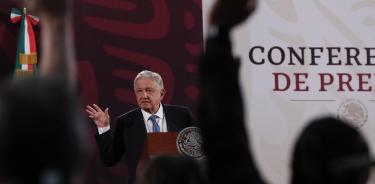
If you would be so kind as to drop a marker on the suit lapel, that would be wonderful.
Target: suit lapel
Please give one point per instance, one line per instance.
(139, 124)
(135, 141)
(171, 119)
(138, 132)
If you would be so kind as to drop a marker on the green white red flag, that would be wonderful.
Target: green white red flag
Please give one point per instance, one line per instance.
(26, 58)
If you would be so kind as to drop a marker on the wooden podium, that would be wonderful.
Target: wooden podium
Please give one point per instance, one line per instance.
(163, 143)
(160, 144)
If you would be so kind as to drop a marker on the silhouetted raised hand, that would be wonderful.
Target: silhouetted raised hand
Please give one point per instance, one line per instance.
(229, 13)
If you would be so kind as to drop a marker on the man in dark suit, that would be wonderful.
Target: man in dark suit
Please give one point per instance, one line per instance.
(129, 135)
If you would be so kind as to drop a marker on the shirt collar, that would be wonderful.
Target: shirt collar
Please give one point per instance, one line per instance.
(159, 113)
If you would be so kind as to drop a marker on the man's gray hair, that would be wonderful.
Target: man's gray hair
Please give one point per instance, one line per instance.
(149, 74)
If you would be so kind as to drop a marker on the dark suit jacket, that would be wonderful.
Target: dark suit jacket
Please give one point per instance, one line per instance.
(129, 135)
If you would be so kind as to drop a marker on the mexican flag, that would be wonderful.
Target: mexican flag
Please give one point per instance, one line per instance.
(26, 58)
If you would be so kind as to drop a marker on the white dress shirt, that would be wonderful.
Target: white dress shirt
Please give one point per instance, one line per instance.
(160, 120)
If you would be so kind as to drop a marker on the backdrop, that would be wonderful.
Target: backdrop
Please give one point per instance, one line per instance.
(116, 39)
(302, 59)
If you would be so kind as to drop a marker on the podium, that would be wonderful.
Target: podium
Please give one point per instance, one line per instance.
(163, 143)
(160, 144)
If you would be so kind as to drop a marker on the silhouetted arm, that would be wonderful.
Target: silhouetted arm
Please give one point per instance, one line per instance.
(221, 113)
(58, 54)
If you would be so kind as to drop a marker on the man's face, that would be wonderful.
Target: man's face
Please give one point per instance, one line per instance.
(149, 94)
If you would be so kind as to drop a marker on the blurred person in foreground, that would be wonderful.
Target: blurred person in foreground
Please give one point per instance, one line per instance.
(171, 169)
(330, 151)
(42, 138)
(221, 118)
(220, 110)
(41, 133)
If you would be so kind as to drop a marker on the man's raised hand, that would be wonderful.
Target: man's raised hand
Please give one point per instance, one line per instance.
(100, 118)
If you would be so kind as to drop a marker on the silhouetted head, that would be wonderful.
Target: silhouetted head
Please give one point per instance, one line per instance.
(41, 133)
(330, 151)
(171, 170)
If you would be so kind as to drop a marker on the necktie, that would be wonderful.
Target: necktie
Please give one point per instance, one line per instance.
(155, 126)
